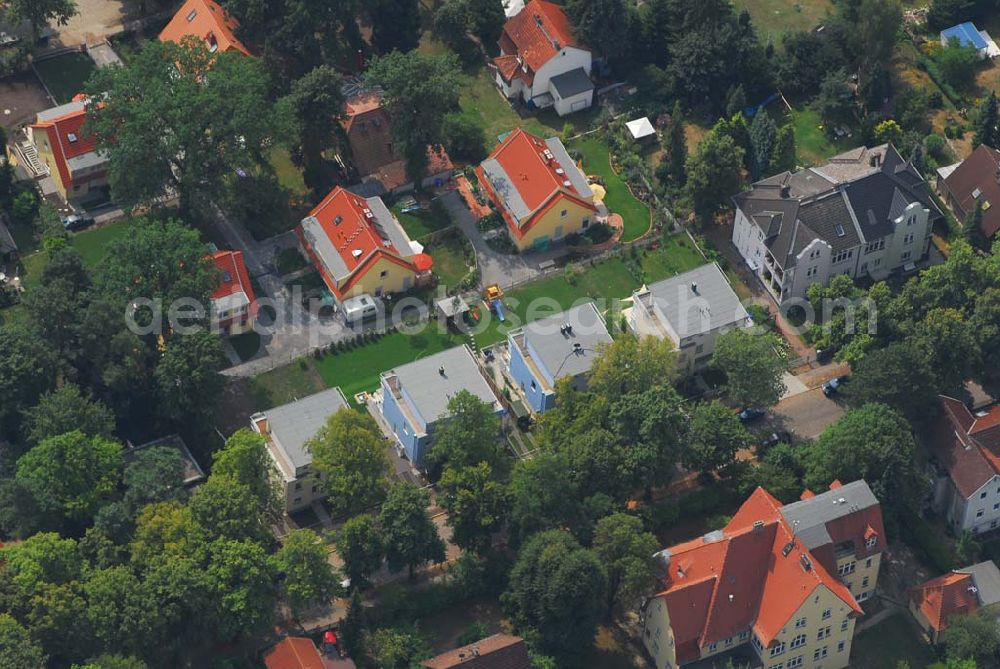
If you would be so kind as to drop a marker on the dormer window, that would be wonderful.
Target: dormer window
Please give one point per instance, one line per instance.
(871, 541)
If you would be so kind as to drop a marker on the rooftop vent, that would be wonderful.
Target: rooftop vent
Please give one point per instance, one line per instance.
(694, 287)
(190, 17)
(560, 170)
(567, 183)
(731, 598)
(356, 253)
(758, 525)
(787, 548)
(71, 137)
(338, 219)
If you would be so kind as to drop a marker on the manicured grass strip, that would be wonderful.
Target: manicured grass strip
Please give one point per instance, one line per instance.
(419, 224)
(91, 243)
(619, 199)
(285, 384)
(359, 368)
(288, 173)
(65, 75)
(450, 265)
(776, 18)
(813, 144)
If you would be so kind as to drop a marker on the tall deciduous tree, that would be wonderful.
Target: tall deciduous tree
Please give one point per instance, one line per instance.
(714, 173)
(419, 91)
(309, 578)
(763, 140)
(469, 435)
(476, 504)
(27, 370)
(626, 550)
(17, 648)
(542, 497)
(242, 586)
(395, 24)
(40, 12)
(556, 591)
(66, 409)
(410, 536)
(359, 544)
(316, 102)
(72, 474)
(899, 376)
(784, 150)
(873, 443)
(349, 453)
(178, 119)
(226, 509)
(188, 382)
(154, 475)
(753, 365)
(835, 101)
(602, 24)
(986, 122)
(714, 436)
(676, 146)
(244, 458)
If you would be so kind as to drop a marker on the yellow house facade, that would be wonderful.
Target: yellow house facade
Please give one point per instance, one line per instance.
(76, 166)
(565, 217)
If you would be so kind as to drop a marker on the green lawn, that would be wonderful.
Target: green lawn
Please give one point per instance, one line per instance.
(892, 640)
(285, 384)
(90, 244)
(619, 199)
(419, 224)
(288, 173)
(359, 368)
(813, 145)
(774, 18)
(482, 102)
(65, 75)
(450, 264)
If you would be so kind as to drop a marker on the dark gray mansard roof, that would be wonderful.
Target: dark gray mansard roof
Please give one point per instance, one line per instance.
(846, 202)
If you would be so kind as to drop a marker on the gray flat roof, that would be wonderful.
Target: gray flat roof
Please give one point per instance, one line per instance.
(61, 110)
(292, 425)
(572, 83)
(430, 390)
(555, 349)
(505, 188)
(573, 173)
(193, 472)
(810, 516)
(698, 301)
(986, 576)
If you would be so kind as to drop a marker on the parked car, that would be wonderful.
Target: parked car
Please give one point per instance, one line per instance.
(775, 438)
(749, 414)
(832, 386)
(78, 221)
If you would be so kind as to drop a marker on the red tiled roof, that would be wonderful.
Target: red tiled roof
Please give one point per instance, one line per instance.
(507, 65)
(206, 20)
(235, 278)
(500, 651)
(522, 157)
(979, 171)
(749, 575)
(67, 139)
(945, 596)
(355, 237)
(967, 446)
(539, 32)
(293, 653)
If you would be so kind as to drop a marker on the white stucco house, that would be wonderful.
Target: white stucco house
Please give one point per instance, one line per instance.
(541, 62)
(865, 213)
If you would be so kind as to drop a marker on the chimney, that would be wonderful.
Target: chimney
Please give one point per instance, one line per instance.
(758, 525)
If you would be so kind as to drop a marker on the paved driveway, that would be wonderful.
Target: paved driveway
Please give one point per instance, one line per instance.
(807, 414)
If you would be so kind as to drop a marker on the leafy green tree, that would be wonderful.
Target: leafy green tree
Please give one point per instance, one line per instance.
(875, 39)
(451, 23)
(986, 122)
(972, 636)
(835, 101)
(464, 137)
(958, 64)
(66, 409)
(119, 610)
(967, 549)
(487, 18)
(226, 509)
(395, 648)
(476, 504)
(676, 146)
(763, 141)
(359, 544)
(244, 458)
(40, 12)
(25, 208)
(950, 344)
(986, 325)
(56, 304)
(54, 615)
(349, 455)
(241, 584)
(316, 101)
(542, 497)
(629, 365)
(352, 629)
(185, 601)
(27, 370)
(409, 535)
(899, 376)
(626, 549)
(736, 100)
(753, 365)
(395, 24)
(71, 475)
(419, 90)
(42, 558)
(556, 591)
(602, 24)
(309, 577)
(784, 158)
(972, 226)
(17, 648)
(469, 435)
(713, 173)
(154, 475)
(873, 443)
(188, 382)
(112, 662)
(166, 532)
(714, 436)
(169, 129)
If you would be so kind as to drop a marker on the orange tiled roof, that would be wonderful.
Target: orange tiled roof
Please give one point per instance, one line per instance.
(206, 20)
(539, 32)
(751, 575)
(67, 139)
(945, 596)
(235, 278)
(293, 653)
(541, 187)
(343, 218)
(507, 65)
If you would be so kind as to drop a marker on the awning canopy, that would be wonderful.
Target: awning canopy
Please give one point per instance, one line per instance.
(641, 128)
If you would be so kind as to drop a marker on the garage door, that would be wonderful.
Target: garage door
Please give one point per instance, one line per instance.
(578, 105)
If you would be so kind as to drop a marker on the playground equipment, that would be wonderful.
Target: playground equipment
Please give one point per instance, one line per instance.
(493, 298)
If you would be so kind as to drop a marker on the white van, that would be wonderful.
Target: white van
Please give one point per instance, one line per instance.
(359, 308)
